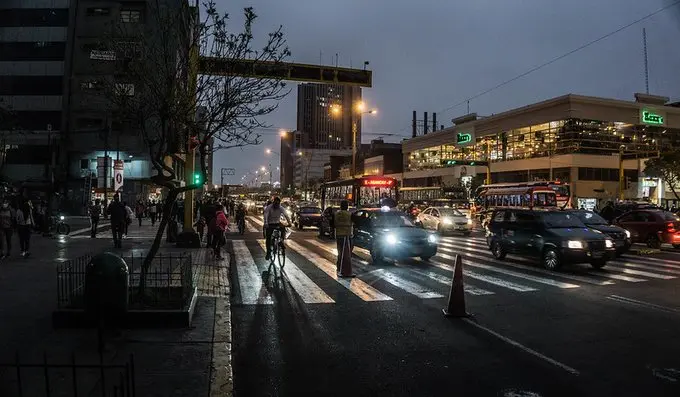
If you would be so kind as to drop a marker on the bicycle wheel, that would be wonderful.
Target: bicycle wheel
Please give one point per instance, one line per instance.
(282, 255)
(63, 228)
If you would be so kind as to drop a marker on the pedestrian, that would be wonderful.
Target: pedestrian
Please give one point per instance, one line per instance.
(128, 218)
(200, 227)
(7, 221)
(117, 215)
(152, 213)
(219, 226)
(343, 238)
(24, 219)
(139, 211)
(95, 211)
(272, 221)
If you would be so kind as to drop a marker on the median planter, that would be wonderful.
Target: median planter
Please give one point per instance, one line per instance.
(168, 300)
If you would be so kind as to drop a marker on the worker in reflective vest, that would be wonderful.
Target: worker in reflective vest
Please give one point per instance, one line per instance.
(343, 237)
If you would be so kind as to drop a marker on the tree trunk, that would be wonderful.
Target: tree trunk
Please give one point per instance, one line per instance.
(167, 210)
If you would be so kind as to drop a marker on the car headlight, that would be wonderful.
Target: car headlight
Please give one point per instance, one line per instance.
(447, 221)
(391, 239)
(432, 238)
(61, 217)
(609, 243)
(469, 221)
(627, 233)
(575, 244)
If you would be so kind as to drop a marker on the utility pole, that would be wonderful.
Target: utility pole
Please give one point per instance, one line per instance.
(107, 131)
(622, 186)
(644, 43)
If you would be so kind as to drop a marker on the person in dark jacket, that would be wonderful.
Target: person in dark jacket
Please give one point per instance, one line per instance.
(118, 216)
(7, 221)
(607, 212)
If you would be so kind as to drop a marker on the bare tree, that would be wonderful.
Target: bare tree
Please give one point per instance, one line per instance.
(161, 92)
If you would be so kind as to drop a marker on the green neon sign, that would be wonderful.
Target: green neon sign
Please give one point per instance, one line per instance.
(651, 118)
(463, 138)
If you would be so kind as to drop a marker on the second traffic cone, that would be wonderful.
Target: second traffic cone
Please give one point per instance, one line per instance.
(456, 304)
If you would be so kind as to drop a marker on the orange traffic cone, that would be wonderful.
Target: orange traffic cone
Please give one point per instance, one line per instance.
(456, 305)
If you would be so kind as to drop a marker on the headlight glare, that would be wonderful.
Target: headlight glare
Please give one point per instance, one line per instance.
(609, 243)
(447, 221)
(61, 217)
(627, 233)
(469, 221)
(432, 238)
(391, 239)
(575, 244)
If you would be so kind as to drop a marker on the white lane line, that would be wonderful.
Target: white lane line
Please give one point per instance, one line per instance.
(554, 283)
(522, 347)
(636, 302)
(524, 267)
(301, 283)
(643, 267)
(356, 286)
(253, 291)
(482, 277)
(397, 281)
(470, 289)
(87, 229)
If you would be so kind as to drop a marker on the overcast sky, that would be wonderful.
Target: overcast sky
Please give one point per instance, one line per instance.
(429, 55)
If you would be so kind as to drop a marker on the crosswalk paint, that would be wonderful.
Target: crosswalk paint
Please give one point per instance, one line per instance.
(664, 263)
(640, 273)
(488, 256)
(308, 291)
(541, 280)
(396, 280)
(643, 267)
(472, 290)
(256, 220)
(253, 291)
(356, 286)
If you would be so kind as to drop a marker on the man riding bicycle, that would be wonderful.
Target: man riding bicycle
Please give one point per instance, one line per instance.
(272, 221)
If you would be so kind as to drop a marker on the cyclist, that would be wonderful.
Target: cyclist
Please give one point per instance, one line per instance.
(240, 216)
(272, 221)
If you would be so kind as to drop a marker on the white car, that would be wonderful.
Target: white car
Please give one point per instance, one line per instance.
(445, 219)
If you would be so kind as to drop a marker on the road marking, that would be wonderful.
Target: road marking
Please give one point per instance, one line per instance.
(636, 302)
(301, 283)
(554, 283)
(650, 261)
(521, 346)
(397, 281)
(87, 229)
(472, 290)
(481, 277)
(356, 286)
(548, 272)
(644, 267)
(640, 273)
(253, 291)
(256, 220)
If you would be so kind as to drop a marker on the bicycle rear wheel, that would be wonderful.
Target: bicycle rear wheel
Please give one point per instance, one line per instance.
(63, 228)
(282, 256)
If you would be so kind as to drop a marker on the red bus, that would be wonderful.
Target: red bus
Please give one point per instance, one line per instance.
(362, 192)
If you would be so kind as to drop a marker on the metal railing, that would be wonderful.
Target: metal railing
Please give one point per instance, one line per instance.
(47, 379)
(169, 281)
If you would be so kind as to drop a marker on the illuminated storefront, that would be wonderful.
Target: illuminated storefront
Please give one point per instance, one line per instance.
(573, 138)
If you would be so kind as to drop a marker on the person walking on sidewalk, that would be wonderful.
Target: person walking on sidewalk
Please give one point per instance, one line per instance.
(343, 238)
(7, 221)
(128, 218)
(95, 211)
(218, 229)
(117, 214)
(152, 213)
(139, 211)
(24, 224)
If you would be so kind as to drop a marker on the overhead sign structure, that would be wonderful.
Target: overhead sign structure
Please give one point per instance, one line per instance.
(649, 117)
(118, 170)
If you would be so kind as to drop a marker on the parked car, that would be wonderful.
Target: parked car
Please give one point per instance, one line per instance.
(620, 235)
(445, 219)
(556, 237)
(326, 226)
(651, 226)
(306, 216)
(391, 234)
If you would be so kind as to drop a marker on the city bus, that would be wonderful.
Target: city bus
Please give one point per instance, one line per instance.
(362, 192)
(435, 196)
(562, 190)
(490, 197)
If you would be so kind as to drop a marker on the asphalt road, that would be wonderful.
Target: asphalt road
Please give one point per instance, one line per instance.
(579, 332)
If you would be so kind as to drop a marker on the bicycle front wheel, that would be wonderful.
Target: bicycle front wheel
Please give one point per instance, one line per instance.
(282, 256)
(63, 228)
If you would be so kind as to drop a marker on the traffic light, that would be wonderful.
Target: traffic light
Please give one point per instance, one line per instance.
(451, 163)
(198, 178)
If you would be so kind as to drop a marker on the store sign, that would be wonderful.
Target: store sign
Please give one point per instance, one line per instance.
(649, 117)
(463, 138)
(118, 168)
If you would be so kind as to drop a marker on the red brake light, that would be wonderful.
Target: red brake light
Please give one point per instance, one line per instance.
(670, 227)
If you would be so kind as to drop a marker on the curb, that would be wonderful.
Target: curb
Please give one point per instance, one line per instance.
(221, 375)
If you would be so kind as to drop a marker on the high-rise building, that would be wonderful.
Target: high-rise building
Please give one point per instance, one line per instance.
(33, 37)
(325, 113)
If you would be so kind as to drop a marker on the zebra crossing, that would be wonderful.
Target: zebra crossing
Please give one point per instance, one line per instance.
(310, 272)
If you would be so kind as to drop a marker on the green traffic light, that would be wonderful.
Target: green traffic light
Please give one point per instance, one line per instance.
(197, 177)
(472, 163)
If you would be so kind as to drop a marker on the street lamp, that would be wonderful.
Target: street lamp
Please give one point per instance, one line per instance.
(359, 110)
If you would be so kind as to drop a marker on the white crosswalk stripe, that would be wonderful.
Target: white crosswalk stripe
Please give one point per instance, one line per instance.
(256, 220)
(356, 286)
(249, 279)
(485, 278)
(308, 291)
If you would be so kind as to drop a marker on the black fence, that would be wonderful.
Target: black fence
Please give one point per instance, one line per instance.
(169, 282)
(50, 379)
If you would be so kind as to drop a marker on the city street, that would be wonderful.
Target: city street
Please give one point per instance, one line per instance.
(575, 332)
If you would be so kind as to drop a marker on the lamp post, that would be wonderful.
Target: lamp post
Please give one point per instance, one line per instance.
(269, 151)
(358, 111)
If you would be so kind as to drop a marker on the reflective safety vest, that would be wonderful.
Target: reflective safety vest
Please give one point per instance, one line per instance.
(343, 223)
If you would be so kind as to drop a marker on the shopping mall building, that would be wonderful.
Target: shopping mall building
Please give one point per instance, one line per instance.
(572, 138)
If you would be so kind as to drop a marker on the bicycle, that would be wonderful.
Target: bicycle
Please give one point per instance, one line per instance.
(278, 253)
(59, 225)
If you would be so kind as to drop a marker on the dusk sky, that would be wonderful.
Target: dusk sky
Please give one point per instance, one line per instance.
(429, 55)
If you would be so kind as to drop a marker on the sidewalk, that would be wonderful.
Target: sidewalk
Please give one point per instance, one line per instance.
(167, 361)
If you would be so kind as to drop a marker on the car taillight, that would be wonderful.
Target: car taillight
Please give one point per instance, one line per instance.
(670, 227)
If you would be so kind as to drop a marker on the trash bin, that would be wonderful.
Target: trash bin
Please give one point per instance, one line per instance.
(106, 288)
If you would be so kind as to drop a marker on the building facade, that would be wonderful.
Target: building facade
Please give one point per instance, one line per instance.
(309, 165)
(33, 41)
(573, 138)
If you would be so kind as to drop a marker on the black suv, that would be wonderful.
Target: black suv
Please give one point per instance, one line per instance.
(556, 237)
